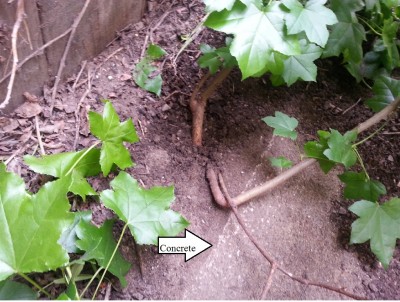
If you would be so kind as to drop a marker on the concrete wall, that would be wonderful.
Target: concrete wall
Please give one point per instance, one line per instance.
(47, 19)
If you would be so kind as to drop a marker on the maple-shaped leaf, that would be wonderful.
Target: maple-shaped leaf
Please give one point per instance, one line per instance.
(359, 186)
(312, 18)
(386, 91)
(146, 212)
(302, 66)
(389, 37)
(315, 149)
(112, 133)
(280, 162)
(340, 148)
(249, 24)
(30, 226)
(99, 244)
(72, 165)
(378, 223)
(212, 5)
(68, 238)
(347, 35)
(11, 290)
(283, 125)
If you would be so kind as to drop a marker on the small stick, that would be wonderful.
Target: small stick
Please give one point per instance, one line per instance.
(151, 31)
(108, 292)
(269, 282)
(42, 152)
(66, 51)
(351, 107)
(79, 75)
(14, 36)
(391, 133)
(270, 259)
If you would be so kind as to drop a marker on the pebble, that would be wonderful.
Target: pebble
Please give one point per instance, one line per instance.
(110, 77)
(390, 158)
(166, 107)
(367, 268)
(137, 296)
(373, 287)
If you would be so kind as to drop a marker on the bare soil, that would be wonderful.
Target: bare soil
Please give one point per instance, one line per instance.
(304, 223)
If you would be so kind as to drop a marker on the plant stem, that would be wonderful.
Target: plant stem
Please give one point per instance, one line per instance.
(109, 262)
(371, 135)
(370, 26)
(82, 156)
(361, 162)
(90, 282)
(41, 289)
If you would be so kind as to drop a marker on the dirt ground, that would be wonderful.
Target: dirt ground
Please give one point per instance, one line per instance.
(304, 223)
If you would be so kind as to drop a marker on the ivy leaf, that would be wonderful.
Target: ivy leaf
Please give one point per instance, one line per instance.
(251, 46)
(30, 226)
(211, 61)
(280, 162)
(340, 148)
(212, 5)
(389, 37)
(386, 91)
(315, 149)
(347, 35)
(59, 165)
(11, 290)
(358, 186)
(155, 52)
(312, 18)
(302, 66)
(378, 223)
(112, 133)
(99, 244)
(146, 212)
(283, 125)
(69, 237)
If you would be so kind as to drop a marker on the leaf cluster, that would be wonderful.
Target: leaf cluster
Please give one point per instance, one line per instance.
(146, 75)
(379, 223)
(38, 232)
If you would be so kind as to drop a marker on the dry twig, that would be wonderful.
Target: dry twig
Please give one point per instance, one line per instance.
(66, 51)
(14, 36)
(274, 264)
(39, 137)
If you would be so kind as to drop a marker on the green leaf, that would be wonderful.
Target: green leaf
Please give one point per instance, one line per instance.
(280, 162)
(99, 244)
(30, 226)
(212, 5)
(358, 186)
(155, 52)
(347, 35)
(386, 91)
(112, 133)
(11, 290)
(69, 237)
(302, 66)
(315, 149)
(389, 37)
(58, 165)
(283, 125)
(211, 61)
(312, 18)
(249, 24)
(378, 223)
(340, 148)
(146, 212)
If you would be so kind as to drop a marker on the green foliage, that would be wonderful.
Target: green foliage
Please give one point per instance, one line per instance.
(386, 91)
(146, 75)
(283, 125)
(341, 149)
(359, 186)
(38, 231)
(378, 223)
(315, 149)
(112, 133)
(146, 212)
(99, 244)
(212, 5)
(280, 162)
(66, 165)
(11, 290)
(30, 226)
(214, 59)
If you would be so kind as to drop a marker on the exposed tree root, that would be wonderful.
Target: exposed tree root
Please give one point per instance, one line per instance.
(275, 264)
(198, 102)
(283, 177)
